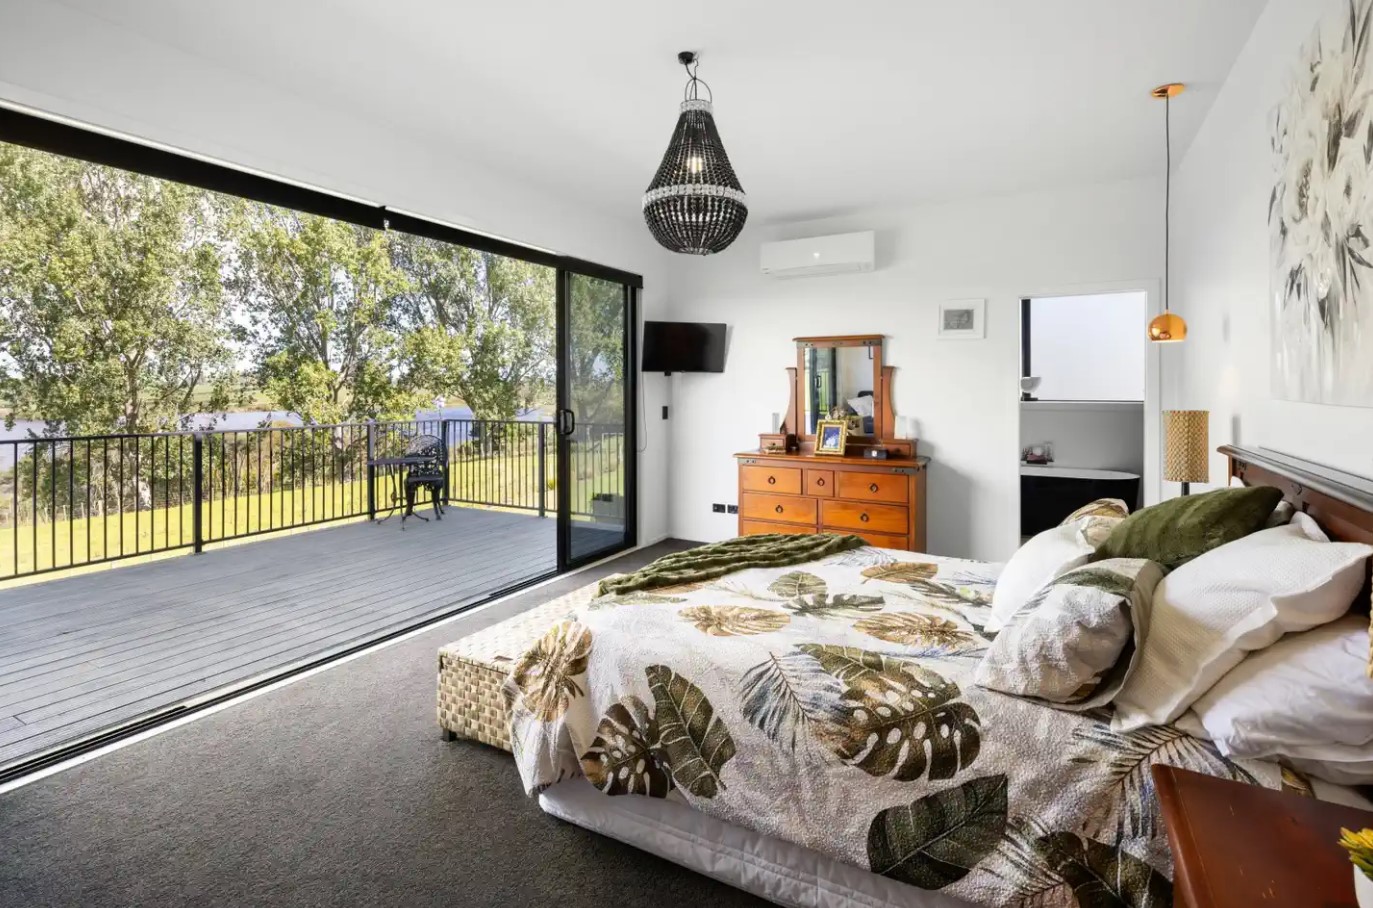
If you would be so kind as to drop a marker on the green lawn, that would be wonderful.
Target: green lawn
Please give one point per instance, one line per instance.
(501, 482)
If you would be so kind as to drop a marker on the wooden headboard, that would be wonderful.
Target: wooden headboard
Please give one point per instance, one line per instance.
(1340, 502)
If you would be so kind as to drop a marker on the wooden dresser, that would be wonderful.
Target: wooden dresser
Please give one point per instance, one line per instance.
(883, 501)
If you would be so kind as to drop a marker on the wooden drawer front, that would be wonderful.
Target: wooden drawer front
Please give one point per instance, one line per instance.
(820, 483)
(865, 518)
(779, 480)
(874, 486)
(877, 539)
(760, 527)
(779, 508)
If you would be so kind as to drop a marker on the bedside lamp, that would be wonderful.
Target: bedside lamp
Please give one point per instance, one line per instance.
(1185, 442)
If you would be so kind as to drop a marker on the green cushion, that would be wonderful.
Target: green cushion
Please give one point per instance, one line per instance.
(1178, 530)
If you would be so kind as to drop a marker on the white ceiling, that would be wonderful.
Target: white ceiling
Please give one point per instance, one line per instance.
(824, 107)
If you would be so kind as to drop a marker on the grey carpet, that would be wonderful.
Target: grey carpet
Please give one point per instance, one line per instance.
(335, 790)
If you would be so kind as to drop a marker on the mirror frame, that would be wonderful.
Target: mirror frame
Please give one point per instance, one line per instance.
(881, 411)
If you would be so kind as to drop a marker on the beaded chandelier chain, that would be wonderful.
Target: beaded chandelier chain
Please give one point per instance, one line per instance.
(695, 204)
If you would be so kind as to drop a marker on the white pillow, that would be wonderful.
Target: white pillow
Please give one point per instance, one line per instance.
(1232, 600)
(1306, 698)
(1047, 555)
(863, 406)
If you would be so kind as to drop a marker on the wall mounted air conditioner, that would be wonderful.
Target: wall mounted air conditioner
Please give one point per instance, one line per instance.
(838, 254)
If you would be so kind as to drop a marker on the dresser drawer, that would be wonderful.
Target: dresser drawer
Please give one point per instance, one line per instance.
(874, 486)
(760, 527)
(779, 508)
(862, 517)
(820, 483)
(780, 480)
(880, 540)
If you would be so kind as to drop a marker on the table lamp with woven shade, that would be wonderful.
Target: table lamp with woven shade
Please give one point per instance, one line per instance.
(1185, 458)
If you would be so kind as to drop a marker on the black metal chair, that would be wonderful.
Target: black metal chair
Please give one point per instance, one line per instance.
(428, 474)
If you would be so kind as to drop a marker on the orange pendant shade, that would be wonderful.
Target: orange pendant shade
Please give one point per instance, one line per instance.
(1167, 328)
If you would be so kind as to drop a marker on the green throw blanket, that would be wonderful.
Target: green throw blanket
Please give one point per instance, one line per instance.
(721, 558)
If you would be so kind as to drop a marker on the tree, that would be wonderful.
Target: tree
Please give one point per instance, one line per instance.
(596, 355)
(112, 313)
(320, 294)
(480, 326)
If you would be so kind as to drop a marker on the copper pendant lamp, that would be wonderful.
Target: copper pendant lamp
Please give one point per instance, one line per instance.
(1168, 327)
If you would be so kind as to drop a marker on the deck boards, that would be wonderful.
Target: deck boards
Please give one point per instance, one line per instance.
(86, 653)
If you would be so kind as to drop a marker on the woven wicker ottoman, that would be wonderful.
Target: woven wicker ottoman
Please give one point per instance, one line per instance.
(473, 670)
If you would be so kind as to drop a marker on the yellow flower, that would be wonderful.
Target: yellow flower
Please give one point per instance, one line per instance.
(1360, 847)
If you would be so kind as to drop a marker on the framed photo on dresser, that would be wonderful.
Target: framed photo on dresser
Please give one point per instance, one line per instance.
(831, 436)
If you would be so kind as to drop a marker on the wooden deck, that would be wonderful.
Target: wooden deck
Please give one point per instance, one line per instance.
(84, 654)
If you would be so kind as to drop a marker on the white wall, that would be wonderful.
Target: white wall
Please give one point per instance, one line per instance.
(65, 62)
(1221, 279)
(1087, 347)
(962, 393)
(1103, 435)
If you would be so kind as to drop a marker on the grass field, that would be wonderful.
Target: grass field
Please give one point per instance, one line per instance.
(507, 482)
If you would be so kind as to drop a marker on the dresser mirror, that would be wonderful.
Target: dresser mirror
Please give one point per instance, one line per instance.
(840, 378)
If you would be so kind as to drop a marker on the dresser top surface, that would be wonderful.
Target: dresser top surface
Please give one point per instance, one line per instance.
(820, 461)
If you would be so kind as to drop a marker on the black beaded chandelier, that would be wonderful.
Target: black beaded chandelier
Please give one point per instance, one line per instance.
(695, 204)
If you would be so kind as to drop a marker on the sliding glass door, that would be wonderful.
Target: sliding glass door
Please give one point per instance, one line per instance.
(595, 399)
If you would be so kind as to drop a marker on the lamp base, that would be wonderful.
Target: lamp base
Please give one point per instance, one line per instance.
(1187, 488)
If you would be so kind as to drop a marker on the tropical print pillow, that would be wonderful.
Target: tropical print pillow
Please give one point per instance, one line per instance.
(1102, 507)
(1074, 642)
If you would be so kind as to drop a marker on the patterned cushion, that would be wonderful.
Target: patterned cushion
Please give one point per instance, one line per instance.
(1074, 642)
(1102, 507)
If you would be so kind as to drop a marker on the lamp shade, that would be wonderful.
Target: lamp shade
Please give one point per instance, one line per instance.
(1185, 442)
(1167, 328)
(695, 204)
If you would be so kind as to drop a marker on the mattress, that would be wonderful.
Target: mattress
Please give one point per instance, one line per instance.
(768, 867)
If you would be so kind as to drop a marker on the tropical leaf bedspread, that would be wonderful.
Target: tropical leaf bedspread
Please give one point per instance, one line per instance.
(832, 705)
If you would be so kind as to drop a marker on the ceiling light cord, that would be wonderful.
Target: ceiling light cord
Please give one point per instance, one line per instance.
(1167, 201)
(692, 92)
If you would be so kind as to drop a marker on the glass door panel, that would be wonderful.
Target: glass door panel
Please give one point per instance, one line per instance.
(596, 450)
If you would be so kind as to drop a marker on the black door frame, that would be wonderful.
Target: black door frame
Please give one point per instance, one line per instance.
(630, 454)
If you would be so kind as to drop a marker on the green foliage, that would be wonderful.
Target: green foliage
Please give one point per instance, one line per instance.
(479, 327)
(320, 295)
(112, 312)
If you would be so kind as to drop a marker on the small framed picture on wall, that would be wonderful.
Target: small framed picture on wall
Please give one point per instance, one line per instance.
(963, 319)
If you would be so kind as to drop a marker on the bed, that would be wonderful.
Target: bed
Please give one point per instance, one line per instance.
(820, 740)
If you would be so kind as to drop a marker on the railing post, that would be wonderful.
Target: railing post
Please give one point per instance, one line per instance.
(447, 455)
(371, 470)
(198, 487)
(543, 471)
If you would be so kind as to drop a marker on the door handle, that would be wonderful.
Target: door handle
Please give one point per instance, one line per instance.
(567, 422)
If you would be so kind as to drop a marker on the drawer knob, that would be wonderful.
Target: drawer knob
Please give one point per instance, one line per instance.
(772, 480)
(863, 517)
(872, 487)
(779, 509)
(819, 482)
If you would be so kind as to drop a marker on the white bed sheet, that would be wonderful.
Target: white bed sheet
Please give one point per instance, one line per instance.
(765, 866)
(768, 867)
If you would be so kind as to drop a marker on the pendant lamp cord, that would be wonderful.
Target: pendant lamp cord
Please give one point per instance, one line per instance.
(1167, 199)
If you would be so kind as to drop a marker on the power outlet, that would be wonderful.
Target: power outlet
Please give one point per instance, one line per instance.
(732, 508)
(718, 508)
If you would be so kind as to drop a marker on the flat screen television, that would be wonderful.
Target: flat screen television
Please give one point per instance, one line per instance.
(683, 347)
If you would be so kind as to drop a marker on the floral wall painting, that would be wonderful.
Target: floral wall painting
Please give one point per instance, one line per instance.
(1320, 216)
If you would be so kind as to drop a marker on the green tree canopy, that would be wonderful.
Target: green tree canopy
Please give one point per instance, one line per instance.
(112, 312)
(480, 326)
(320, 295)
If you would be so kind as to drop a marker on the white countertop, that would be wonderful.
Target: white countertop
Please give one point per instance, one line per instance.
(1038, 469)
